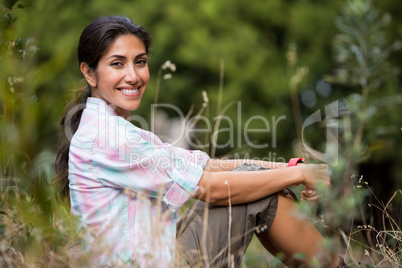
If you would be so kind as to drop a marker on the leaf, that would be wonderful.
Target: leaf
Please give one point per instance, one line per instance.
(8, 17)
(21, 6)
(10, 3)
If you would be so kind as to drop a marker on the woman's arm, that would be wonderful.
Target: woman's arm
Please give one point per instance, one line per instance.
(249, 186)
(217, 165)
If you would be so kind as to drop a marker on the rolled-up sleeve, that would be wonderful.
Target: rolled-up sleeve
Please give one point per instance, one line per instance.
(128, 157)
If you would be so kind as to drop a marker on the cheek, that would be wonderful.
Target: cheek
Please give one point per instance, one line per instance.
(145, 76)
(109, 79)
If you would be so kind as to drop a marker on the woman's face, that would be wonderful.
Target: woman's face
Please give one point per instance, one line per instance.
(122, 74)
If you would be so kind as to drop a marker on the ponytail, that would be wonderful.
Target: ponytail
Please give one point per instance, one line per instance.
(61, 181)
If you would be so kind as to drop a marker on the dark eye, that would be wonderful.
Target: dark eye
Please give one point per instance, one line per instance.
(116, 63)
(141, 62)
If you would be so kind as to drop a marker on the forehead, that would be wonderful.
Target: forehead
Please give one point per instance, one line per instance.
(126, 45)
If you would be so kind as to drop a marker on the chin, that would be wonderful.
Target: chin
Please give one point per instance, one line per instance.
(132, 107)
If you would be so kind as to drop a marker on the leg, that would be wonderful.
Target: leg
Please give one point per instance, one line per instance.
(273, 213)
(290, 234)
(203, 232)
(203, 235)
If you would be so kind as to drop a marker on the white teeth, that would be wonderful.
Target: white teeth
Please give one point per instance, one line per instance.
(129, 91)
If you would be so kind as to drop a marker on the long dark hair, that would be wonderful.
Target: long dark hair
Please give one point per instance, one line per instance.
(94, 42)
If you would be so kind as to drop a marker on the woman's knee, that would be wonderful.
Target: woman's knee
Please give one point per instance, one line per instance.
(291, 233)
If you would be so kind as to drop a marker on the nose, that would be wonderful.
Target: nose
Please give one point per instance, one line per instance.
(131, 76)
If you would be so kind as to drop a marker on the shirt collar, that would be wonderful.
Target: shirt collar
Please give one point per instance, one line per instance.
(99, 104)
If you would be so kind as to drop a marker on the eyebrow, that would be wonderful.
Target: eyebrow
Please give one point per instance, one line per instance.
(123, 57)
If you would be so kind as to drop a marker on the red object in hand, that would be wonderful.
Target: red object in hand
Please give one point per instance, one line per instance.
(294, 161)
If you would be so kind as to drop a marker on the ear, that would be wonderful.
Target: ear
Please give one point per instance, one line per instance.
(88, 74)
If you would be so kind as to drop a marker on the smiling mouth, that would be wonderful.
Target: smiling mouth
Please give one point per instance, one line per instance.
(130, 91)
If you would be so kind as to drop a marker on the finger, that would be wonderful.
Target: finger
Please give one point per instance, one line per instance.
(309, 194)
(314, 198)
(309, 190)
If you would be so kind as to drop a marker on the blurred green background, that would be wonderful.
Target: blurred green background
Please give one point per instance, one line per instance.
(263, 45)
(251, 39)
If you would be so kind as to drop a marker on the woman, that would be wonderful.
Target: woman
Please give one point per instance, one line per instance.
(126, 186)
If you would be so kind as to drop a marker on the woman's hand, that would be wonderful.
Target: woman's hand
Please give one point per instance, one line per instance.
(313, 174)
(310, 195)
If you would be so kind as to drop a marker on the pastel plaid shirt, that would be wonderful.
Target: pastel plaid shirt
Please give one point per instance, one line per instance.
(126, 186)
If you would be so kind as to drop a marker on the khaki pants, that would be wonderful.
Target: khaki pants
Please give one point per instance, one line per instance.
(203, 232)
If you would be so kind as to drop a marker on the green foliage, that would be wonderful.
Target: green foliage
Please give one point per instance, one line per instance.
(362, 50)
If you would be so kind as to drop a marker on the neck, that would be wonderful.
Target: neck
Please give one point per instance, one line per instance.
(119, 111)
(123, 113)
